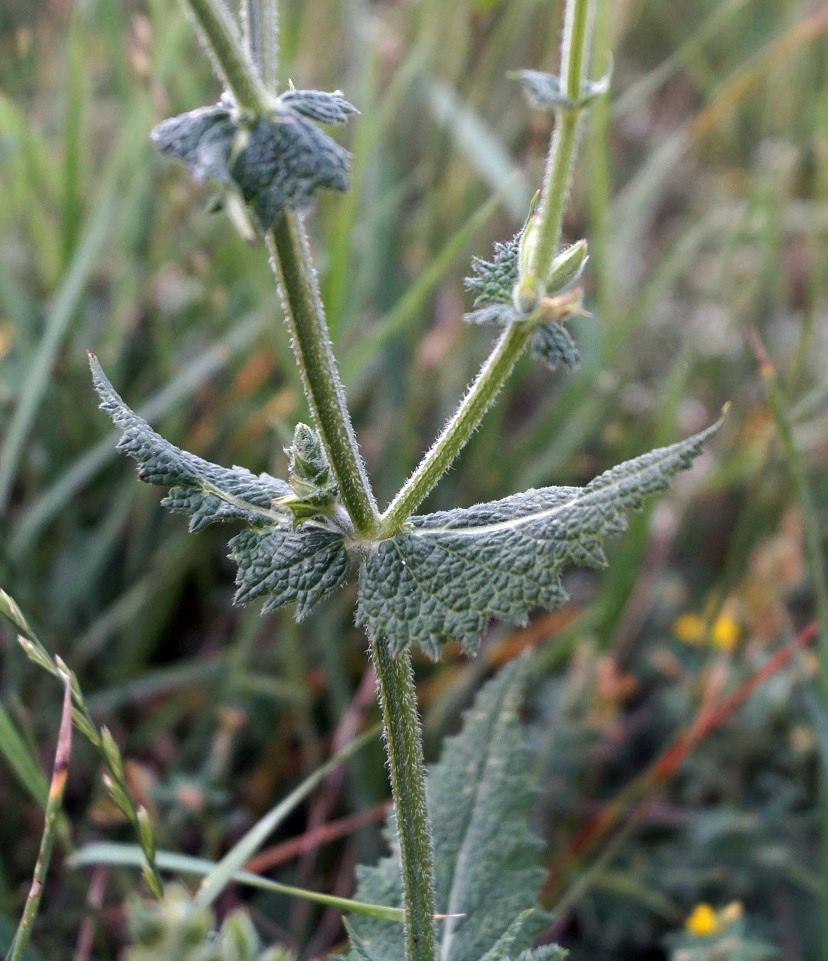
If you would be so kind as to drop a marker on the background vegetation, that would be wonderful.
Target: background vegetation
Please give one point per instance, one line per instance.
(704, 191)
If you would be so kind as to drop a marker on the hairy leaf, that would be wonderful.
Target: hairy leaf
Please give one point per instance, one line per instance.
(486, 859)
(451, 572)
(493, 282)
(319, 105)
(276, 163)
(284, 565)
(205, 491)
(303, 566)
(544, 91)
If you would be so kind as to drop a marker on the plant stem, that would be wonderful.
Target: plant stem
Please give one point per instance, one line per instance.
(292, 263)
(574, 48)
(506, 352)
(305, 318)
(455, 435)
(404, 749)
(260, 21)
(17, 951)
(221, 39)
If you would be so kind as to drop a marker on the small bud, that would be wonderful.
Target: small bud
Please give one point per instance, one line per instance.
(528, 245)
(526, 294)
(567, 267)
(309, 469)
(112, 752)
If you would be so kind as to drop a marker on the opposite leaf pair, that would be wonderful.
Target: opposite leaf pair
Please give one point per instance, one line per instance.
(443, 576)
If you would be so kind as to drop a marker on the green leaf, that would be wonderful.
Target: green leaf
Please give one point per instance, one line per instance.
(302, 565)
(276, 162)
(544, 91)
(493, 282)
(487, 860)
(205, 491)
(450, 573)
(553, 344)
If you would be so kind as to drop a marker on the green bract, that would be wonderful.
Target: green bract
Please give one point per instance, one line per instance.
(443, 577)
(493, 282)
(276, 162)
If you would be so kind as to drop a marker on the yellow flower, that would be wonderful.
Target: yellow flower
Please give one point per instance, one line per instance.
(689, 628)
(724, 635)
(703, 922)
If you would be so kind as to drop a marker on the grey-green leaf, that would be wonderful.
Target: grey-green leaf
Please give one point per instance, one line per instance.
(205, 491)
(487, 861)
(276, 162)
(319, 105)
(305, 566)
(543, 90)
(274, 560)
(492, 281)
(450, 573)
(553, 344)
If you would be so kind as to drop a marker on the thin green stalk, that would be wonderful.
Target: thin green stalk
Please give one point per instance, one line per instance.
(230, 60)
(479, 398)
(102, 740)
(505, 354)
(574, 49)
(260, 20)
(54, 804)
(292, 263)
(305, 318)
(406, 768)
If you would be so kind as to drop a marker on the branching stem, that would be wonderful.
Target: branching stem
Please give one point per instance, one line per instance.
(293, 266)
(506, 352)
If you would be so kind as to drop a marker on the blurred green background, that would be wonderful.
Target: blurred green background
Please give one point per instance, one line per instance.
(703, 189)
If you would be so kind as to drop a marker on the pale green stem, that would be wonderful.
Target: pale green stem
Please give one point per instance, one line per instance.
(406, 769)
(260, 19)
(293, 266)
(221, 38)
(305, 318)
(54, 802)
(558, 175)
(455, 435)
(500, 363)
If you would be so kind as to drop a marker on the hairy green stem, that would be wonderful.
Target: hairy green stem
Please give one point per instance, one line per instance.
(305, 318)
(406, 769)
(260, 23)
(574, 49)
(455, 435)
(506, 352)
(221, 38)
(293, 266)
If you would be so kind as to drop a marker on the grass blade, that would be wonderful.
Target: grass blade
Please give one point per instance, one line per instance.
(53, 808)
(16, 752)
(130, 855)
(222, 873)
